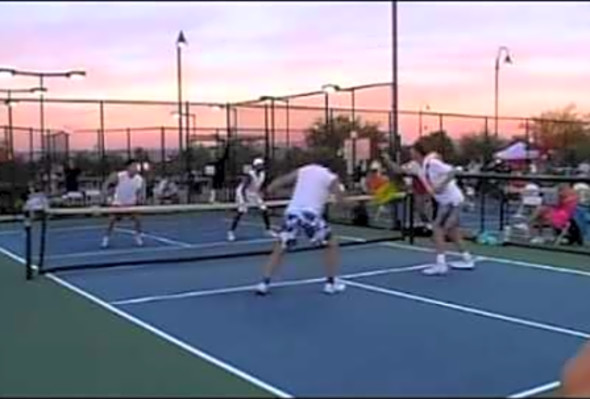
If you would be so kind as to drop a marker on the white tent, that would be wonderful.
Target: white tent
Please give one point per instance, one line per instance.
(517, 152)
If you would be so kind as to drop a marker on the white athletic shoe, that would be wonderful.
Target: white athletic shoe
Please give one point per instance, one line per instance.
(438, 269)
(262, 288)
(138, 240)
(105, 242)
(463, 264)
(334, 288)
(272, 233)
(231, 236)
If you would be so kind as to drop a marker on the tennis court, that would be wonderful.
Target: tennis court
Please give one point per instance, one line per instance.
(503, 329)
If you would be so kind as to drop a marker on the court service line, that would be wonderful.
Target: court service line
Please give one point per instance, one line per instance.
(156, 237)
(54, 229)
(137, 250)
(536, 390)
(471, 310)
(512, 262)
(161, 334)
(288, 283)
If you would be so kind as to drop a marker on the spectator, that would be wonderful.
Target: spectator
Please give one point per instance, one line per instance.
(219, 174)
(166, 191)
(71, 177)
(557, 216)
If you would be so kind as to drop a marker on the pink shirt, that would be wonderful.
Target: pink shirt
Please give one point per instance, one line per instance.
(563, 212)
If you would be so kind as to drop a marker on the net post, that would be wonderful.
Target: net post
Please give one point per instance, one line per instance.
(411, 217)
(503, 204)
(43, 240)
(28, 246)
(482, 204)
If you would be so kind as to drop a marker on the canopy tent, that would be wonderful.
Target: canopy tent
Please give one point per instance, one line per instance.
(517, 152)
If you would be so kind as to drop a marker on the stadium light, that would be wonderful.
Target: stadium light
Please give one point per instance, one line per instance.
(507, 60)
(72, 74)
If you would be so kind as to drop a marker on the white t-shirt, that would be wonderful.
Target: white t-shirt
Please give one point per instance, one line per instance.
(127, 189)
(312, 189)
(435, 171)
(255, 183)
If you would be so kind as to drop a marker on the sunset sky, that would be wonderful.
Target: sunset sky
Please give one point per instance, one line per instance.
(243, 50)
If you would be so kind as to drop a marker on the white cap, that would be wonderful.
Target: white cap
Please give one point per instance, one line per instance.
(258, 162)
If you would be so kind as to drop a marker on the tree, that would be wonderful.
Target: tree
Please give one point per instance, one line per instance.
(332, 135)
(564, 132)
(439, 141)
(479, 147)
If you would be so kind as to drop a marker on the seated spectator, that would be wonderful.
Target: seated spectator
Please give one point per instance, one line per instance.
(557, 216)
(166, 191)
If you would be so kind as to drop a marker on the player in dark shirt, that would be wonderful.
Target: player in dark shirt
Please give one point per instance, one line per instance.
(71, 176)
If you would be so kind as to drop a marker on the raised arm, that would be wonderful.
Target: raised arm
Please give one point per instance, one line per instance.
(282, 181)
(337, 189)
(392, 167)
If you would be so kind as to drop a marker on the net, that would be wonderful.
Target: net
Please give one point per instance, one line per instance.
(70, 238)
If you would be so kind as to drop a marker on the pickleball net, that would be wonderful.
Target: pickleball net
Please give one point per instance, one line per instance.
(65, 239)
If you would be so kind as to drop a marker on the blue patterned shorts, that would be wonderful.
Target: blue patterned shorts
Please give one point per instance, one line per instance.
(309, 223)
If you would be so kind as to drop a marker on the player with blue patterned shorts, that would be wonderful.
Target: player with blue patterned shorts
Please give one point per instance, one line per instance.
(313, 186)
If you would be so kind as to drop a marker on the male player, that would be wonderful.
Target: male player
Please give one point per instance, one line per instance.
(129, 191)
(304, 213)
(438, 179)
(249, 194)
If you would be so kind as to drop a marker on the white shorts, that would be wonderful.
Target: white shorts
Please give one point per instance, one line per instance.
(250, 200)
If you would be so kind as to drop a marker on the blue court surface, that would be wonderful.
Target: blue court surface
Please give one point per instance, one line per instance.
(505, 328)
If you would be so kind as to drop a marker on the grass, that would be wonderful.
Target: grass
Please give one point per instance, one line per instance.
(54, 343)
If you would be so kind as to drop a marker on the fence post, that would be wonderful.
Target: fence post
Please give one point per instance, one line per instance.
(101, 142)
(128, 143)
(163, 148)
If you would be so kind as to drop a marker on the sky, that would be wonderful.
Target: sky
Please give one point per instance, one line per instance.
(242, 50)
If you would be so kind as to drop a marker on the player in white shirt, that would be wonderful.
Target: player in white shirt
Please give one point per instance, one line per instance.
(304, 214)
(439, 179)
(249, 194)
(129, 191)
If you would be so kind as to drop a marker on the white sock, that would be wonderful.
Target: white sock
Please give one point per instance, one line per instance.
(440, 259)
(466, 256)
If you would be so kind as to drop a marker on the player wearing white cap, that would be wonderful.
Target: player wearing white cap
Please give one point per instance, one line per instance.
(313, 186)
(249, 194)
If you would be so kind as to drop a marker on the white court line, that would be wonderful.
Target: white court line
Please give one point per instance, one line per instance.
(495, 259)
(471, 310)
(72, 228)
(156, 237)
(536, 390)
(154, 330)
(230, 290)
(136, 250)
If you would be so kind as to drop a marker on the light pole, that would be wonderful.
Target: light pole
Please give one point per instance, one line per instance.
(420, 125)
(73, 74)
(507, 60)
(10, 138)
(9, 103)
(180, 43)
(193, 118)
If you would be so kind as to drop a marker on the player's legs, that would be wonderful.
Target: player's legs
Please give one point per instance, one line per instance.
(287, 238)
(137, 226)
(274, 261)
(454, 231)
(259, 202)
(332, 262)
(241, 210)
(438, 235)
(113, 219)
